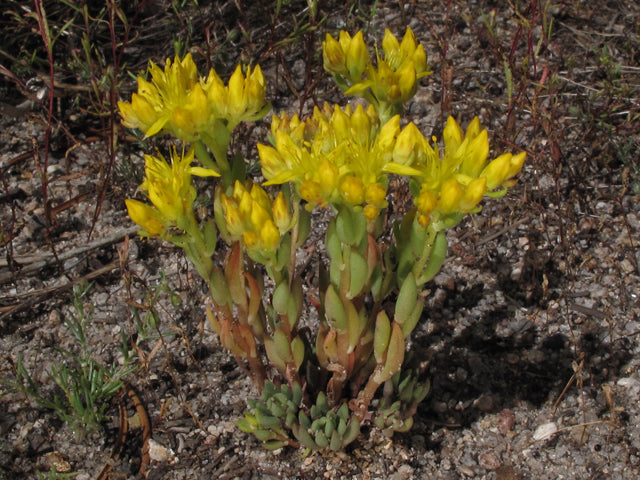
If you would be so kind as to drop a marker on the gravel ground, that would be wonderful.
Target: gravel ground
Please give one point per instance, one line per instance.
(530, 336)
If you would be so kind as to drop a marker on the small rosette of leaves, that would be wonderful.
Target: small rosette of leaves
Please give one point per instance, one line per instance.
(400, 401)
(274, 414)
(324, 427)
(277, 419)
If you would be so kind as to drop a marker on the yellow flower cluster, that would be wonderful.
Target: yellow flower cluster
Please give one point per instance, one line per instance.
(454, 183)
(178, 100)
(392, 80)
(337, 156)
(250, 214)
(170, 190)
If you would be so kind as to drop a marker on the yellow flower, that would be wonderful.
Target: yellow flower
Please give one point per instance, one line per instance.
(245, 96)
(347, 57)
(179, 101)
(169, 187)
(397, 55)
(393, 80)
(141, 113)
(338, 155)
(170, 190)
(252, 216)
(169, 89)
(458, 178)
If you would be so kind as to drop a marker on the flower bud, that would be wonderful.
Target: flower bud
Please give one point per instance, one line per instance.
(259, 216)
(375, 194)
(245, 204)
(310, 192)
(233, 219)
(408, 45)
(281, 213)
(260, 197)
(352, 190)
(515, 165)
(426, 202)
(141, 114)
(370, 212)
(333, 56)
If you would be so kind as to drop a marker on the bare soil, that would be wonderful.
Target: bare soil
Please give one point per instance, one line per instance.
(531, 331)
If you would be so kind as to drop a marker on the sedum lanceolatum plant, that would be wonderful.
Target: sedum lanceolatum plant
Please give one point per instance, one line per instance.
(321, 380)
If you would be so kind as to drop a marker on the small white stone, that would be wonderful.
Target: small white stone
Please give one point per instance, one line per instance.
(545, 431)
(160, 453)
(628, 382)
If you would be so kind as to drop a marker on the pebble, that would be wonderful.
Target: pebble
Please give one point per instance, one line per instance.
(489, 460)
(628, 382)
(466, 471)
(403, 473)
(506, 421)
(160, 453)
(545, 431)
(485, 403)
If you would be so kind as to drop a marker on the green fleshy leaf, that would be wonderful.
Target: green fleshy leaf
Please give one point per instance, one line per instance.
(333, 243)
(381, 336)
(297, 347)
(210, 236)
(321, 439)
(351, 226)
(407, 299)
(395, 355)
(274, 444)
(265, 435)
(281, 298)
(359, 273)
(436, 258)
(334, 309)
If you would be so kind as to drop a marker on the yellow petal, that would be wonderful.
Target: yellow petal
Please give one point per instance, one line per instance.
(452, 135)
(357, 57)
(146, 216)
(473, 193)
(450, 196)
(497, 170)
(269, 236)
